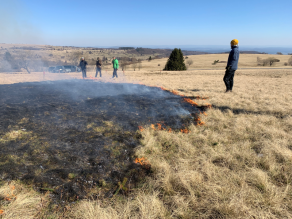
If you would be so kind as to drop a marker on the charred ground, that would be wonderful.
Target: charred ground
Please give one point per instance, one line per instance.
(76, 138)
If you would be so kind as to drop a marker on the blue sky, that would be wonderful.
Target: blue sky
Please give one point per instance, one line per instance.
(142, 23)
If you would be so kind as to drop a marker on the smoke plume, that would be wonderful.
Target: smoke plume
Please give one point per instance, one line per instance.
(14, 28)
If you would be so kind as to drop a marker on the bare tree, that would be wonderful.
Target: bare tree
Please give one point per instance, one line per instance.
(124, 66)
(190, 62)
(25, 61)
(267, 62)
(134, 63)
(75, 57)
(124, 63)
(134, 66)
(259, 61)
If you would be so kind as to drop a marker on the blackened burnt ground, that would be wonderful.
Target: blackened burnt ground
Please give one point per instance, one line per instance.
(76, 138)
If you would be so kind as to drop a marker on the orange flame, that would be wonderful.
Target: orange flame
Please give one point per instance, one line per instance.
(202, 98)
(199, 122)
(208, 105)
(162, 88)
(12, 196)
(175, 92)
(1, 212)
(188, 100)
(159, 126)
(7, 198)
(141, 128)
(142, 161)
(186, 131)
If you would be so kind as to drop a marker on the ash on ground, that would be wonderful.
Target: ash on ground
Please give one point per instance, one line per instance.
(76, 138)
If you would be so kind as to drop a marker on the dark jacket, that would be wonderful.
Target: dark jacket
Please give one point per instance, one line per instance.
(233, 58)
(82, 64)
(98, 64)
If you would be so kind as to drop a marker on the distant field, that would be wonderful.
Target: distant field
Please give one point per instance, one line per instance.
(205, 61)
(50, 56)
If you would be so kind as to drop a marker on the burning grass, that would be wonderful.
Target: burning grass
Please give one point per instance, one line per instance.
(17, 201)
(71, 141)
(237, 165)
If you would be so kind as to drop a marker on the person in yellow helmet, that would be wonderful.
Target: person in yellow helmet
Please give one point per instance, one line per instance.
(232, 65)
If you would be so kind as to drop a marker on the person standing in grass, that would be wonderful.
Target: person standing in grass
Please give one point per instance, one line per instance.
(115, 66)
(98, 67)
(231, 65)
(82, 65)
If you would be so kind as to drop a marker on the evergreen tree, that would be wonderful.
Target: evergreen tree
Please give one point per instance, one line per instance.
(176, 61)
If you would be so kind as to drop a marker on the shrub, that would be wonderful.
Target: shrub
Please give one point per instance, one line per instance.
(267, 62)
(279, 53)
(215, 62)
(290, 61)
(176, 61)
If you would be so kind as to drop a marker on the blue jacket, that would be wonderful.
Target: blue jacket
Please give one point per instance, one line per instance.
(233, 58)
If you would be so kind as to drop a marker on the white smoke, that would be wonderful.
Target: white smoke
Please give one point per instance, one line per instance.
(15, 29)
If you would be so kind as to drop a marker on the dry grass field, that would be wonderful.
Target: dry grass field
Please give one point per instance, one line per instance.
(59, 55)
(237, 165)
(205, 61)
(51, 55)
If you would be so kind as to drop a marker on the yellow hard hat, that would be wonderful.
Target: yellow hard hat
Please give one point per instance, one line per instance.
(234, 42)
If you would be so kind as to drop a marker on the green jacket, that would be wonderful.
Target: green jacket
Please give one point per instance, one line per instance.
(115, 64)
